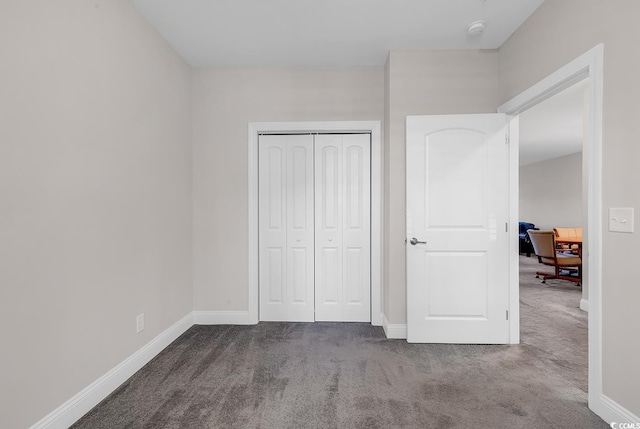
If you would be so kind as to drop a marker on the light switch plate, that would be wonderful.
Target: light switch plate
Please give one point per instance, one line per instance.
(621, 219)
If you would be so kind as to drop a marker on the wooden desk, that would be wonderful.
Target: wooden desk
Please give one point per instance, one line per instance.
(570, 241)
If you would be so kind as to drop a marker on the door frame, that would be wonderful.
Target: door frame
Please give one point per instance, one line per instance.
(588, 65)
(370, 127)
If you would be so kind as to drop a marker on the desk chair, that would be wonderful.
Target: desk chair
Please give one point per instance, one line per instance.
(544, 246)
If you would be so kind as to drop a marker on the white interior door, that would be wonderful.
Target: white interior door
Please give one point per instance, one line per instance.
(286, 227)
(343, 228)
(457, 210)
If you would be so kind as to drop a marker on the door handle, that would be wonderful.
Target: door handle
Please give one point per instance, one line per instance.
(415, 241)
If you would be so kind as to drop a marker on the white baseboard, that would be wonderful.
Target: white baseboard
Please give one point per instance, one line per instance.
(394, 331)
(584, 305)
(221, 318)
(612, 412)
(76, 407)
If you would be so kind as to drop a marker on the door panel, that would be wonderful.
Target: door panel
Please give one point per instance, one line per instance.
(330, 276)
(286, 232)
(330, 192)
(457, 282)
(299, 181)
(299, 271)
(470, 283)
(354, 184)
(275, 271)
(354, 268)
(342, 171)
(275, 189)
(455, 165)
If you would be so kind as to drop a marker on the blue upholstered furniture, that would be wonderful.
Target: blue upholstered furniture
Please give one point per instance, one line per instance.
(525, 242)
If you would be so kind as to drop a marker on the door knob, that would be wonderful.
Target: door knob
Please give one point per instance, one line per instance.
(415, 241)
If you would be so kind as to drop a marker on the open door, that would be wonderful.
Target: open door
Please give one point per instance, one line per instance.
(457, 238)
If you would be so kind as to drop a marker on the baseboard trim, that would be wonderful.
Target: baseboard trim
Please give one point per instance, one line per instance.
(80, 404)
(398, 332)
(221, 318)
(610, 411)
(584, 305)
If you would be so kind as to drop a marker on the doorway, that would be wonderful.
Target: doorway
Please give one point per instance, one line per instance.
(552, 191)
(588, 65)
(552, 322)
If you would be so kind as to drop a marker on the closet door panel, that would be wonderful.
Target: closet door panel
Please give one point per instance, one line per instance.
(342, 195)
(286, 227)
(300, 257)
(273, 220)
(329, 206)
(274, 273)
(357, 228)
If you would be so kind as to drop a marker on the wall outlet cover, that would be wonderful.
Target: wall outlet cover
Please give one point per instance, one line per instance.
(139, 323)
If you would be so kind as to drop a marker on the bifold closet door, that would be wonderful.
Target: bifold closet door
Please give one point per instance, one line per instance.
(342, 228)
(286, 228)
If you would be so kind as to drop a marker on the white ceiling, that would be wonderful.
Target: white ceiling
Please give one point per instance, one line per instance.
(326, 32)
(553, 128)
(360, 32)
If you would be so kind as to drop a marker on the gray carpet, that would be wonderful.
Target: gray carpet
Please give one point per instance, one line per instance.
(330, 375)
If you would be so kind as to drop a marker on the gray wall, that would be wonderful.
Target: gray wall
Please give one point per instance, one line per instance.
(558, 32)
(95, 186)
(225, 100)
(424, 83)
(551, 192)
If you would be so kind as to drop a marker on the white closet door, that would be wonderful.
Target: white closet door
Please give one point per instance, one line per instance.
(286, 228)
(343, 224)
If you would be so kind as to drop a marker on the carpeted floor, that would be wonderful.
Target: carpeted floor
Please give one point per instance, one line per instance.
(331, 375)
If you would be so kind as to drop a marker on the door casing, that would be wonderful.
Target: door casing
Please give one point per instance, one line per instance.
(372, 127)
(588, 65)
